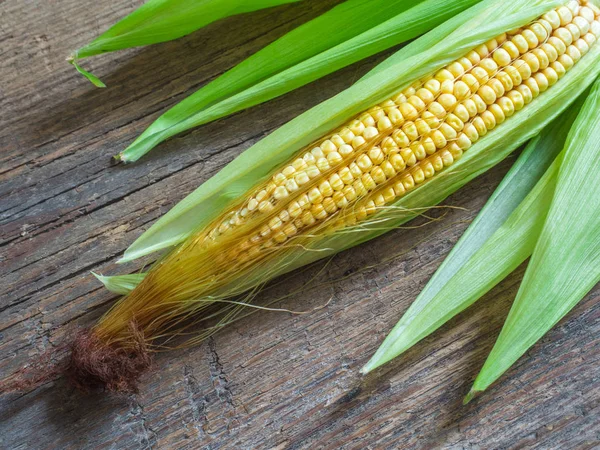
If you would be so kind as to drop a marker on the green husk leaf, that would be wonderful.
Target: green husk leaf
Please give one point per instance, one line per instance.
(499, 240)
(90, 76)
(437, 48)
(121, 284)
(565, 264)
(164, 20)
(311, 51)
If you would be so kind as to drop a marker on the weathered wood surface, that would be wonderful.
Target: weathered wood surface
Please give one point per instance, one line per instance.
(273, 380)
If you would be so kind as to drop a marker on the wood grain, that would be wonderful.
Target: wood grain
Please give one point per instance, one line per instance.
(272, 380)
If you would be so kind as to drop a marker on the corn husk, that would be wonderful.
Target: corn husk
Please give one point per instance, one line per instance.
(565, 264)
(163, 20)
(556, 221)
(500, 239)
(121, 284)
(311, 51)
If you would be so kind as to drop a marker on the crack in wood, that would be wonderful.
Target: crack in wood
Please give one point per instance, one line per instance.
(218, 376)
(70, 276)
(148, 437)
(197, 401)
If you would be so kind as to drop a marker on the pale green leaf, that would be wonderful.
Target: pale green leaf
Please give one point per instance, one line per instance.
(163, 20)
(565, 264)
(499, 240)
(447, 42)
(121, 284)
(342, 36)
(90, 76)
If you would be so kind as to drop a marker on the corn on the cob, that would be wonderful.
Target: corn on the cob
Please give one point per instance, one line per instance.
(372, 164)
(399, 144)
(380, 156)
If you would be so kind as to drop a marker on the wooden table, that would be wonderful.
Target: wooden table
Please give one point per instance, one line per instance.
(273, 380)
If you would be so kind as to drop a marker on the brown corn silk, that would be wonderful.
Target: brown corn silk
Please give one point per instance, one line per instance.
(340, 182)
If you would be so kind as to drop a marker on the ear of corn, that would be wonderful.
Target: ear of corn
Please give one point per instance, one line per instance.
(501, 237)
(311, 51)
(565, 264)
(449, 42)
(483, 154)
(366, 178)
